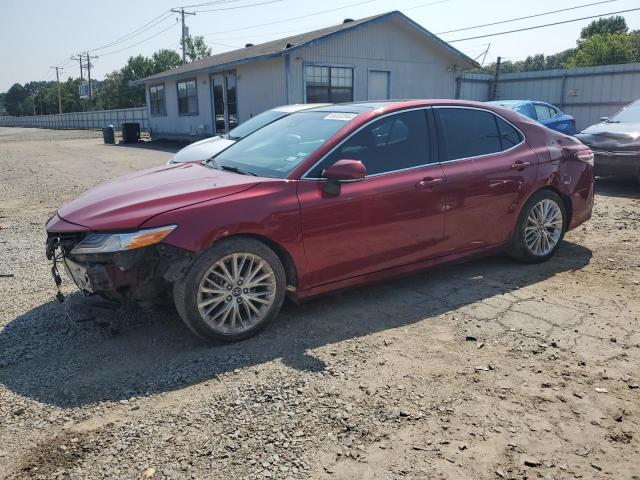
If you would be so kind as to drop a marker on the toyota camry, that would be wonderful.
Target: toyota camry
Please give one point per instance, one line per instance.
(323, 200)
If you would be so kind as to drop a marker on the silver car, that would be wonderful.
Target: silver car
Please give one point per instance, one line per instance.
(207, 148)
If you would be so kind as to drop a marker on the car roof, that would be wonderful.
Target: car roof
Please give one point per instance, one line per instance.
(509, 102)
(297, 107)
(386, 106)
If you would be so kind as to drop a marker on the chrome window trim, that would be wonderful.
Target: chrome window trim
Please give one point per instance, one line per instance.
(524, 139)
(304, 176)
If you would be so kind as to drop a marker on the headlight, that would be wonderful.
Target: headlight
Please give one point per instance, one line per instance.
(118, 242)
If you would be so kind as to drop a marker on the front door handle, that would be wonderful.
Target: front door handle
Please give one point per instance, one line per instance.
(520, 165)
(428, 182)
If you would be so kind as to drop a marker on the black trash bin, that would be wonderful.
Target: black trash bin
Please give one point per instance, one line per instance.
(130, 132)
(109, 134)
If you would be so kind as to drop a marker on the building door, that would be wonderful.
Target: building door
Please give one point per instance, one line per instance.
(378, 85)
(225, 102)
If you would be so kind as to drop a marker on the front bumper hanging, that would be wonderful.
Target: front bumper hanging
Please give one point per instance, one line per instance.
(137, 275)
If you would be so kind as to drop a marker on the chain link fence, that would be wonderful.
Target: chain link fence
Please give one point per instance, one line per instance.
(93, 120)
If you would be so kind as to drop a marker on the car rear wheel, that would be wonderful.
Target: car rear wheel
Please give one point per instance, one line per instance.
(540, 228)
(231, 291)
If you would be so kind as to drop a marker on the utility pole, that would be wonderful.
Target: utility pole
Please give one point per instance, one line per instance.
(59, 94)
(184, 31)
(494, 87)
(79, 58)
(89, 65)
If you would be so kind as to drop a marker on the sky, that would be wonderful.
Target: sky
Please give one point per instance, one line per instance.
(38, 34)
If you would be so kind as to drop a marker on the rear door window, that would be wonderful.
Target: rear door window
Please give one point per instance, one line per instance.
(466, 133)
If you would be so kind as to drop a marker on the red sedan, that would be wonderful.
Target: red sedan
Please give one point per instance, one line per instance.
(322, 200)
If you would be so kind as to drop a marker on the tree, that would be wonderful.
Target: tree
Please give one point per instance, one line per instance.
(13, 99)
(610, 25)
(559, 60)
(165, 59)
(196, 48)
(605, 49)
(534, 63)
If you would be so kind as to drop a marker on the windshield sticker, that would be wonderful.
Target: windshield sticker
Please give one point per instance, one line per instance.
(345, 117)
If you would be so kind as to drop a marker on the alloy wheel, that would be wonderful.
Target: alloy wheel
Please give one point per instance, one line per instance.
(236, 293)
(543, 228)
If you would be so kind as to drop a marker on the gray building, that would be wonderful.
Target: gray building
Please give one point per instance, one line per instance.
(380, 57)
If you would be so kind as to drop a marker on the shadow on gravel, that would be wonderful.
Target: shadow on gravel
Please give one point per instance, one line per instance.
(86, 350)
(624, 187)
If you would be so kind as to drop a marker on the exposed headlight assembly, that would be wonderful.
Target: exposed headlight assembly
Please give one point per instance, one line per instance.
(119, 242)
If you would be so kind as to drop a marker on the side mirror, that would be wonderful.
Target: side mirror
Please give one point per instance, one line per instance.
(603, 119)
(343, 171)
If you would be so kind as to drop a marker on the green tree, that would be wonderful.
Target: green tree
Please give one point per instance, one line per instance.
(165, 59)
(13, 99)
(196, 48)
(534, 63)
(610, 25)
(605, 49)
(559, 60)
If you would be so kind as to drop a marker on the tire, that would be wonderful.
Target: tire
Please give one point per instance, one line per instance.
(520, 247)
(219, 305)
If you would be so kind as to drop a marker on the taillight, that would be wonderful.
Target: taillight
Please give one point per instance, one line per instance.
(585, 156)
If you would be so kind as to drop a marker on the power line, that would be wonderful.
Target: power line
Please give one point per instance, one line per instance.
(223, 45)
(150, 24)
(309, 15)
(527, 17)
(138, 43)
(542, 26)
(292, 18)
(239, 6)
(207, 4)
(427, 5)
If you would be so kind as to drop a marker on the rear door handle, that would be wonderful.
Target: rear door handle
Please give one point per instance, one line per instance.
(520, 165)
(429, 182)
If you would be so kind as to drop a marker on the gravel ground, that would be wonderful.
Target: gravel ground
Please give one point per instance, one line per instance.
(483, 370)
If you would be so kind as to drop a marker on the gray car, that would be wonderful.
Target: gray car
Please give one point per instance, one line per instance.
(615, 142)
(207, 148)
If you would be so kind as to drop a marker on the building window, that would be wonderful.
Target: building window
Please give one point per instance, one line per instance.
(329, 84)
(187, 98)
(156, 97)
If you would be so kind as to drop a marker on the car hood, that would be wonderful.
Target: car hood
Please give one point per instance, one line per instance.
(202, 150)
(611, 135)
(129, 201)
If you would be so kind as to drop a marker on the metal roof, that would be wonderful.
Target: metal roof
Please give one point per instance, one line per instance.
(285, 45)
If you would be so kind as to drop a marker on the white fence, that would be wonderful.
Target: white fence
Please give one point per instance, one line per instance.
(586, 93)
(81, 120)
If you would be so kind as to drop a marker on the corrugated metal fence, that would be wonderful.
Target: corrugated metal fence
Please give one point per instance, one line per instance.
(82, 120)
(586, 93)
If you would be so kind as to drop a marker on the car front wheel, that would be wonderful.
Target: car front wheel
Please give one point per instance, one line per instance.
(540, 228)
(231, 291)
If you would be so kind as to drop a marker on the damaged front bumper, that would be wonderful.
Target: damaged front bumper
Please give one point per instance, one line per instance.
(140, 276)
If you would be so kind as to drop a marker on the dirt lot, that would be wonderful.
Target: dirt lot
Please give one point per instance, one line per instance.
(485, 370)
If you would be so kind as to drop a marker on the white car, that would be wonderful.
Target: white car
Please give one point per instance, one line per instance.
(207, 148)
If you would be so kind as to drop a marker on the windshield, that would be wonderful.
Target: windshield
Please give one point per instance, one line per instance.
(276, 149)
(630, 114)
(255, 123)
